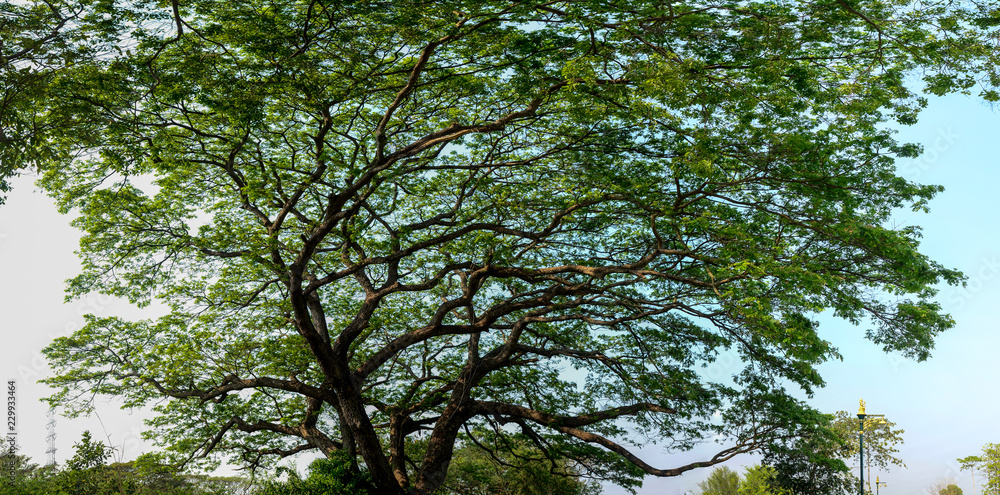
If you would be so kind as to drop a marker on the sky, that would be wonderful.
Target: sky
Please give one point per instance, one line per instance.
(947, 405)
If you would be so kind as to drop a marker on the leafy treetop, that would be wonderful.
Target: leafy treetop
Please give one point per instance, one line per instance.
(453, 224)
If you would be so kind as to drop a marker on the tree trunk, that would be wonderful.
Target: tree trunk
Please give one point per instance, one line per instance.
(367, 441)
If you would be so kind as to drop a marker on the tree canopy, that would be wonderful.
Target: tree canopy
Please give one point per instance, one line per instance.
(814, 463)
(760, 480)
(721, 481)
(951, 490)
(377, 225)
(988, 464)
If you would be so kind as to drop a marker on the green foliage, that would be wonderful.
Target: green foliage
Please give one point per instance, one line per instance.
(522, 471)
(815, 462)
(881, 439)
(760, 480)
(991, 469)
(89, 454)
(36, 40)
(988, 463)
(809, 465)
(27, 479)
(951, 490)
(88, 473)
(379, 225)
(721, 481)
(971, 463)
(333, 476)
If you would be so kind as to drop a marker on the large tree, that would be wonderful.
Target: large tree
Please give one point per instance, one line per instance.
(375, 225)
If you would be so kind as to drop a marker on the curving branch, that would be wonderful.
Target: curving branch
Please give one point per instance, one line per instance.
(571, 425)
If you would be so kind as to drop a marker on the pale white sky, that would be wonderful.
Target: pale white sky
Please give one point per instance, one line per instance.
(946, 405)
(37, 248)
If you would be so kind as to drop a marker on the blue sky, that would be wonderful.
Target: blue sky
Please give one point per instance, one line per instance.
(946, 405)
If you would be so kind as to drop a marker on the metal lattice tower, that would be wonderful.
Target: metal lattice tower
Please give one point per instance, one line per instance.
(51, 437)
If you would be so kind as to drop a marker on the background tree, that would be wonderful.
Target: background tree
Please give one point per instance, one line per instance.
(989, 464)
(760, 480)
(812, 463)
(23, 477)
(991, 469)
(18, 465)
(881, 439)
(381, 224)
(89, 454)
(88, 473)
(816, 462)
(951, 490)
(943, 486)
(972, 463)
(722, 481)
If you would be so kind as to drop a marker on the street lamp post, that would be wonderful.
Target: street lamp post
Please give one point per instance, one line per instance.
(878, 484)
(861, 443)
